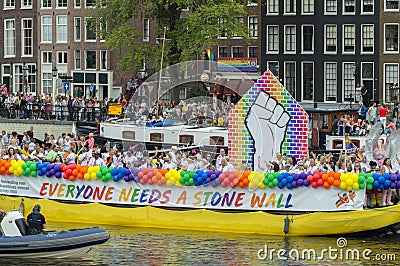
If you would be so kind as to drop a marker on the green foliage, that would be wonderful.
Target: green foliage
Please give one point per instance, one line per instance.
(192, 26)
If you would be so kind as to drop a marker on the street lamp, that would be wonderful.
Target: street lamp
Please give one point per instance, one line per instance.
(54, 74)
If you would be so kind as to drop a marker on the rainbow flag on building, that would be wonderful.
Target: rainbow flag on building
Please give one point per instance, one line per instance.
(210, 55)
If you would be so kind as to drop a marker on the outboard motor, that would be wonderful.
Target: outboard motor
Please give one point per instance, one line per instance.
(13, 224)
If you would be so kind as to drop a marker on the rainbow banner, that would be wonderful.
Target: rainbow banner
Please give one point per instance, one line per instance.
(210, 55)
(235, 64)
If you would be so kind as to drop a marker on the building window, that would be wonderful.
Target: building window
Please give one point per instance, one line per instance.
(90, 35)
(290, 39)
(90, 3)
(47, 83)
(391, 78)
(18, 77)
(308, 7)
(290, 6)
(146, 29)
(391, 5)
(272, 7)
(272, 39)
(273, 66)
(349, 38)
(290, 78)
(77, 3)
(308, 38)
(330, 38)
(253, 26)
(103, 59)
(222, 51)
(47, 58)
(46, 3)
(391, 38)
(221, 23)
(349, 83)
(30, 82)
(27, 37)
(308, 81)
(62, 3)
(90, 59)
(367, 41)
(331, 6)
(239, 20)
(62, 29)
(253, 51)
(47, 33)
(349, 7)
(368, 6)
(62, 57)
(9, 4)
(77, 59)
(9, 38)
(77, 29)
(25, 4)
(237, 51)
(331, 81)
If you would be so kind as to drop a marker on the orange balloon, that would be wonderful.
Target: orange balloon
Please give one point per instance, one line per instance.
(331, 180)
(336, 183)
(327, 185)
(72, 178)
(74, 172)
(325, 177)
(337, 176)
(331, 173)
(80, 176)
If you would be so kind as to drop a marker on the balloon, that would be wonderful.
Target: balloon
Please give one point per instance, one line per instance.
(34, 174)
(99, 174)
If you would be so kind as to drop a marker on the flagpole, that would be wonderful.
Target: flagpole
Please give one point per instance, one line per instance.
(345, 152)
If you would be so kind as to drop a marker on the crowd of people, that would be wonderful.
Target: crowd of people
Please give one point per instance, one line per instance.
(367, 117)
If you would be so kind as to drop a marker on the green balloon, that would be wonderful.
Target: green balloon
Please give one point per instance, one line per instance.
(186, 177)
(25, 173)
(104, 171)
(187, 183)
(110, 169)
(191, 173)
(33, 167)
(265, 181)
(275, 182)
(182, 180)
(361, 179)
(370, 186)
(104, 179)
(99, 175)
(271, 185)
(34, 174)
(191, 182)
(370, 180)
(24, 166)
(183, 173)
(270, 177)
(276, 174)
(362, 185)
(109, 176)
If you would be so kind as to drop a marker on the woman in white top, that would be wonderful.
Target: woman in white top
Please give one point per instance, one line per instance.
(386, 193)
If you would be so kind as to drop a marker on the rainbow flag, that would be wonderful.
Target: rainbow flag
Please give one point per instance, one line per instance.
(210, 55)
(359, 155)
(348, 144)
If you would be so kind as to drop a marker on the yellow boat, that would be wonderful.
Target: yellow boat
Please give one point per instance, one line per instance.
(378, 220)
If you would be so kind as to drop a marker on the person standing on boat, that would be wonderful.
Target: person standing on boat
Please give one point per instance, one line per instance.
(218, 162)
(36, 221)
(362, 112)
(227, 166)
(372, 113)
(386, 193)
(382, 114)
(172, 154)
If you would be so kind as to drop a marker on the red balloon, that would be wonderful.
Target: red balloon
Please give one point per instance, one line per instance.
(320, 182)
(316, 177)
(140, 175)
(310, 179)
(314, 184)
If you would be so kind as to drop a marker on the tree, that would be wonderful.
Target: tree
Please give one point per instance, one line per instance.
(192, 26)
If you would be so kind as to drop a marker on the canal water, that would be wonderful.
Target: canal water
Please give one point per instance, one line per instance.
(149, 246)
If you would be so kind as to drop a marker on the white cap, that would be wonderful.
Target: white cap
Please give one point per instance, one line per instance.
(174, 148)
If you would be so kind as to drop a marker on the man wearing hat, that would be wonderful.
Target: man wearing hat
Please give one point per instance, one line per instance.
(36, 221)
(172, 155)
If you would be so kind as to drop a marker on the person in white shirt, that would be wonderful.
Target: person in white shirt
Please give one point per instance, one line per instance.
(172, 154)
(70, 159)
(168, 164)
(190, 164)
(96, 160)
(200, 163)
(226, 165)
(129, 159)
(218, 161)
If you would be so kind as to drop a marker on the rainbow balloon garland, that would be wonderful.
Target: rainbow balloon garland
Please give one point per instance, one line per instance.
(346, 181)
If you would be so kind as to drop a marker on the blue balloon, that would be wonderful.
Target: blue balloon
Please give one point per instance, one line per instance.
(386, 176)
(289, 185)
(281, 186)
(375, 184)
(120, 176)
(386, 184)
(290, 179)
(381, 179)
(381, 186)
(114, 172)
(280, 177)
(284, 182)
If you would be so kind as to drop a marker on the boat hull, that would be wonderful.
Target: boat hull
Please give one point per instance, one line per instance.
(52, 244)
(256, 222)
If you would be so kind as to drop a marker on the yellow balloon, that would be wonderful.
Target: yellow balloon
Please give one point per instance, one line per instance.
(86, 176)
(349, 188)
(93, 175)
(356, 186)
(170, 183)
(262, 185)
(349, 182)
(343, 185)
